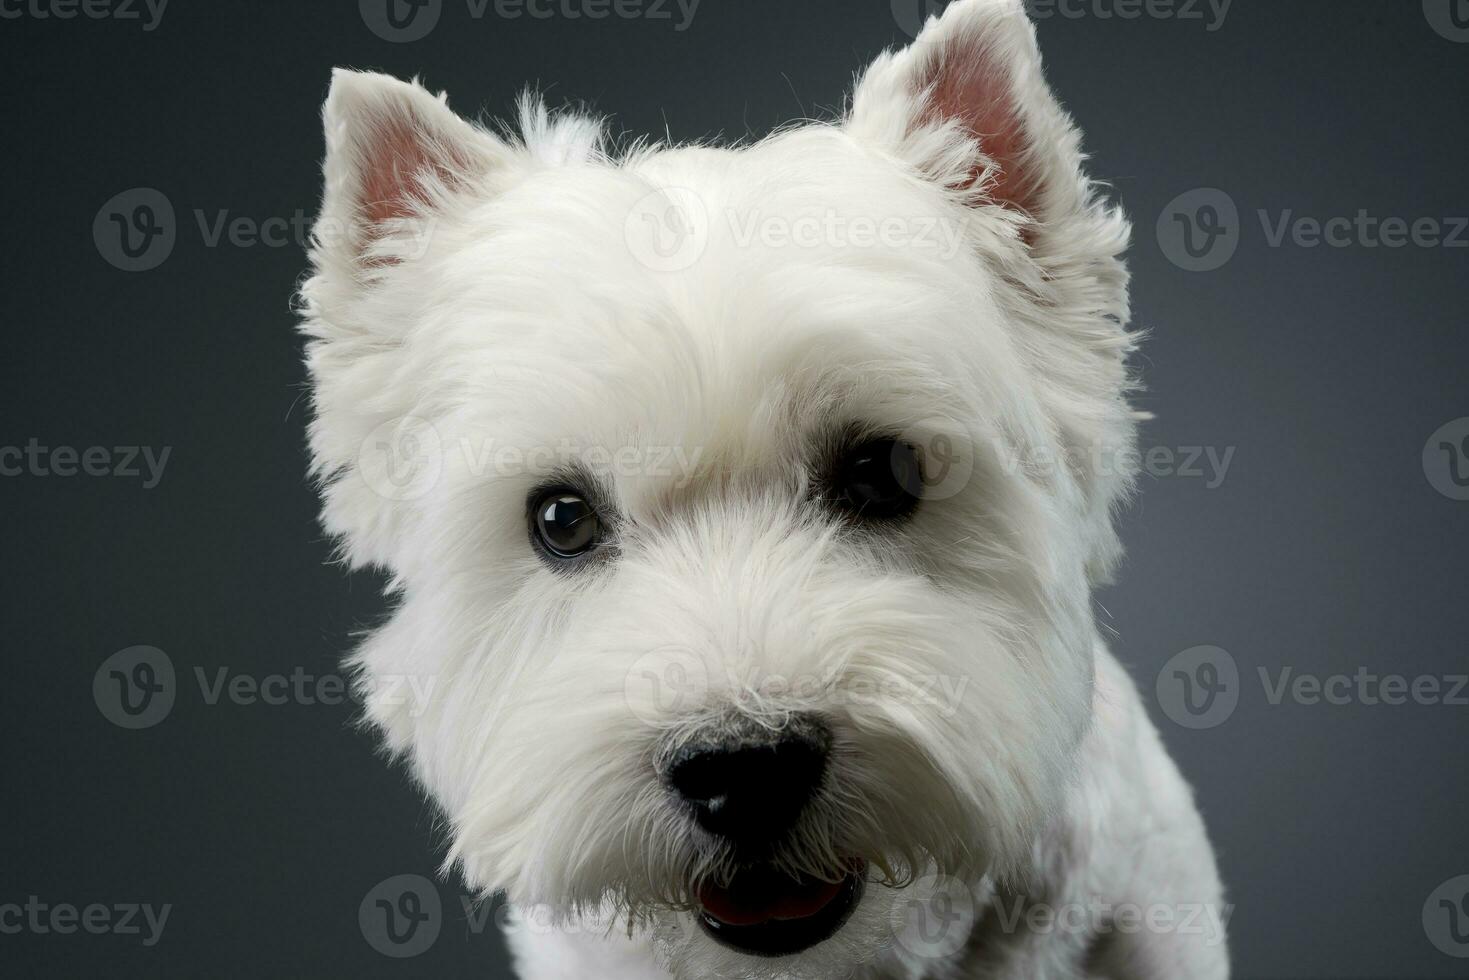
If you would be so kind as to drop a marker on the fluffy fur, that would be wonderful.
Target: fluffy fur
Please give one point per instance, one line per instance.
(474, 292)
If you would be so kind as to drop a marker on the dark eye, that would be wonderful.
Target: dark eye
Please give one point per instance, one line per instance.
(880, 479)
(564, 523)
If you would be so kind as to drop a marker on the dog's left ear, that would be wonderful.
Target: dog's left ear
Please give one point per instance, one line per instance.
(967, 107)
(967, 104)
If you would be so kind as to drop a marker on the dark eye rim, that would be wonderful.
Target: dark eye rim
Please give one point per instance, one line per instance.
(834, 485)
(554, 557)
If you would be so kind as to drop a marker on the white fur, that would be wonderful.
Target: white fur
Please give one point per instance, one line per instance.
(504, 305)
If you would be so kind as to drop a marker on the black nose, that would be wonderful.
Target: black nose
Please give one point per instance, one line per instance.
(750, 784)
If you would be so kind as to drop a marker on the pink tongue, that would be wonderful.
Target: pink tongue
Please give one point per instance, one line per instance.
(751, 904)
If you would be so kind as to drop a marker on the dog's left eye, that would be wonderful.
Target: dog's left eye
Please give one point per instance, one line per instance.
(881, 479)
(565, 524)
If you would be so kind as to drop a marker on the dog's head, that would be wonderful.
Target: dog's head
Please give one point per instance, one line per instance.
(742, 505)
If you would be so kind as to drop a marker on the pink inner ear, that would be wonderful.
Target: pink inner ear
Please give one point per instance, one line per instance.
(969, 86)
(396, 164)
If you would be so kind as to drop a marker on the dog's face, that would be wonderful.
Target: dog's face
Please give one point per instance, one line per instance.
(742, 505)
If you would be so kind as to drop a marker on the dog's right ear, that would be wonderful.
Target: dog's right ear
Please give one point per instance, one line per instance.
(395, 156)
(400, 170)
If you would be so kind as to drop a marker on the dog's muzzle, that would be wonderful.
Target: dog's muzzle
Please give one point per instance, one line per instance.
(747, 786)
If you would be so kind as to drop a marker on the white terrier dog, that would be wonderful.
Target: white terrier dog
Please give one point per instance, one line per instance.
(743, 509)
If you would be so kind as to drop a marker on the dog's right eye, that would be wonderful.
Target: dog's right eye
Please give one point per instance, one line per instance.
(878, 480)
(564, 524)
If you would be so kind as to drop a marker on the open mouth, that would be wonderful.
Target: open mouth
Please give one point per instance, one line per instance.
(766, 913)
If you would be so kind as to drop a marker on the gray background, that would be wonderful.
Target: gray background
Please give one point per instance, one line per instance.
(1326, 547)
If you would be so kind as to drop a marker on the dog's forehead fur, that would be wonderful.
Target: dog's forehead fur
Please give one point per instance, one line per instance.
(551, 271)
(547, 326)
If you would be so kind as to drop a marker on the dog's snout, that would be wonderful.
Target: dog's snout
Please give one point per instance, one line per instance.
(750, 786)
